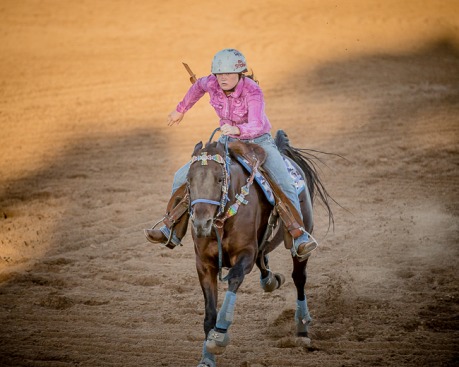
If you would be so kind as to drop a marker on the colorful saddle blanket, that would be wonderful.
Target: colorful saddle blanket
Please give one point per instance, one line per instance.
(300, 184)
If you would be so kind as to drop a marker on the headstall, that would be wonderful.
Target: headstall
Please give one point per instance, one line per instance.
(240, 198)
(204, 158)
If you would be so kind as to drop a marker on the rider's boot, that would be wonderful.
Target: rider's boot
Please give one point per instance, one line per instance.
(303, 243)
(175, 222)
(155, 235)
(303, 246)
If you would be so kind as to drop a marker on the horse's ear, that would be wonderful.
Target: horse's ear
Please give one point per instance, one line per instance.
(197, 148)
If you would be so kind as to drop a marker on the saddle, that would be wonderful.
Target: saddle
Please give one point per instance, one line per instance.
(260, 177)
(252, 155)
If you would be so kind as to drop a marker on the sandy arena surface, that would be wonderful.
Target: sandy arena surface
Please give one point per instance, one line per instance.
(87, 162)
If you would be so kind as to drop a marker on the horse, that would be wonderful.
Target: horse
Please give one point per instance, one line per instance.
(240, 235)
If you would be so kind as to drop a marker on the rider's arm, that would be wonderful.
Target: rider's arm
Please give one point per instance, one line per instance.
(196, 91)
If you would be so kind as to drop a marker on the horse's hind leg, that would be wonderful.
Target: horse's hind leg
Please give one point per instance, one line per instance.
(302, 317)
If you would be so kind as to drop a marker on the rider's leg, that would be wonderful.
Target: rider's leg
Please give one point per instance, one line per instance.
(180, 177)
(303, 243)
(176, 214)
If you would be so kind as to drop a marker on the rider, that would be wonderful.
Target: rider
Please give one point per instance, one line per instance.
(239, 103)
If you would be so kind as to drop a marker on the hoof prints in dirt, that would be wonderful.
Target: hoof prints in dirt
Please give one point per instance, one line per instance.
(56, 301)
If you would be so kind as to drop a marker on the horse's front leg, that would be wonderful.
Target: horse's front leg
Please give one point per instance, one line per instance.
(269, 281)
(218, 338)
(208, 279)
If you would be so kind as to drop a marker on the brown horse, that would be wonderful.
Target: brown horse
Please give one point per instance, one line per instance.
(231, 220)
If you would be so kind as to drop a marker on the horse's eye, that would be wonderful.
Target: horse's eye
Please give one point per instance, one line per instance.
(220, 179)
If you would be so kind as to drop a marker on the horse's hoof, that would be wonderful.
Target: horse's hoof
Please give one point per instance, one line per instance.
(303, 341)
(216, 342)
(280, 279)
(272, 282)
(206, 362)
(214, 348)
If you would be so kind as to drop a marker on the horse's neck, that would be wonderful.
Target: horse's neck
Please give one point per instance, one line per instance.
(238, 178)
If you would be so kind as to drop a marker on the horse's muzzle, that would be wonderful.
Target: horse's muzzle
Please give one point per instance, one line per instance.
(202, 226)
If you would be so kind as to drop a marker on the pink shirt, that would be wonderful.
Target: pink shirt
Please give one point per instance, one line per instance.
(244, 108)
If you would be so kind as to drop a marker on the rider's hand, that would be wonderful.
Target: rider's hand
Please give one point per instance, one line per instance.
(230, 130)
(174, 118)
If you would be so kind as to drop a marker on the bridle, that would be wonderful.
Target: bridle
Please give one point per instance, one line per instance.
(219, 220)
(204, 158)
(221, 216)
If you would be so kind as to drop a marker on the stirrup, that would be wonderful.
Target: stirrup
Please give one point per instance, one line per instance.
(312, 244)
(172, 240)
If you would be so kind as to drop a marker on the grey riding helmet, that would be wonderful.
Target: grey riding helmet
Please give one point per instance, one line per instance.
(228, 61)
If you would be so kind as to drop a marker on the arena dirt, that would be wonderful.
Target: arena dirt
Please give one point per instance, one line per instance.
(87, 162)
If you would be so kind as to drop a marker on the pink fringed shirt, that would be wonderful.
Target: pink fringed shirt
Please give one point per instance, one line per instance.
(244, 108)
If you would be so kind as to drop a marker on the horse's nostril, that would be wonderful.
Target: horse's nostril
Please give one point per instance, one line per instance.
(202, 226)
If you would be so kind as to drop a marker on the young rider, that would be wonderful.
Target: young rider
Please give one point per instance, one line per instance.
(239, 103)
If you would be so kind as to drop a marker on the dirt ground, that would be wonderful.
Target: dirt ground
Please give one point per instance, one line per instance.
(87, 162)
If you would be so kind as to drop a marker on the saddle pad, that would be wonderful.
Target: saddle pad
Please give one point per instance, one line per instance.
(298, 180)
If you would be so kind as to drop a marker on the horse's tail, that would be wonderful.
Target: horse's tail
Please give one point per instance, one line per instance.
(305, 160)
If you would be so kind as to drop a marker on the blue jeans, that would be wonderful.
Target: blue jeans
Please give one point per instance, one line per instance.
(274, 165)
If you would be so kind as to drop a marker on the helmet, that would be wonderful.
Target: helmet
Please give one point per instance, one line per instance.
(228, 60)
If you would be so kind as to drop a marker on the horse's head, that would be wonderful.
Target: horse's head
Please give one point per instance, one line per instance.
(207, 185)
